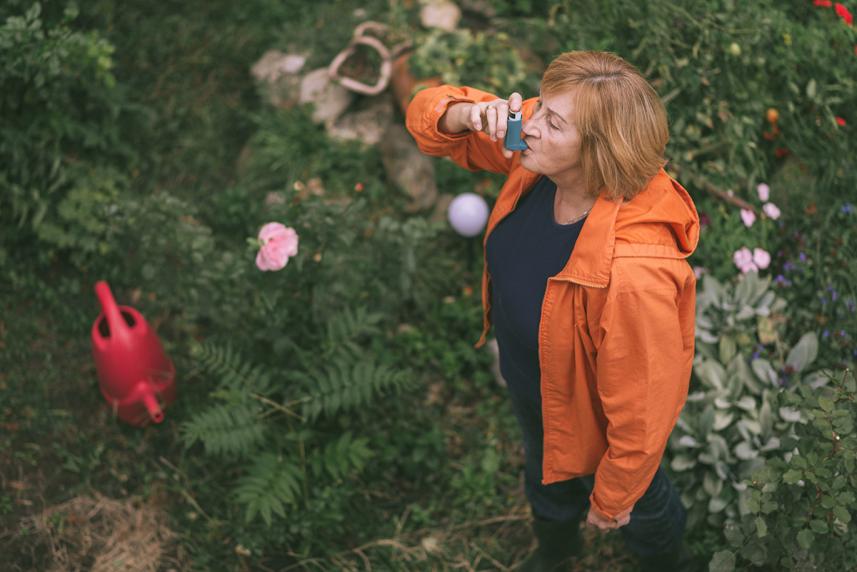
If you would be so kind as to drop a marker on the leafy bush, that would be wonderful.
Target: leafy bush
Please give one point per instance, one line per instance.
(59, 103)
(800, 507)
(729, 425)
(815, 271)
(484, 60)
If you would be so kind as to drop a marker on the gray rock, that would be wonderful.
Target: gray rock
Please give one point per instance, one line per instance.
(278, 77)
(441, 14)
(330, 98)
(408, 168)
(367, 124)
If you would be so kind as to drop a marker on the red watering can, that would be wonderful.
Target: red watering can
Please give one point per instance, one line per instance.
(133, 370)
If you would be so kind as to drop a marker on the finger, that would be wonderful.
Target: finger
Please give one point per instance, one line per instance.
(502, 120)
(476, 117)
(506, 153)
(491, 112)
(515, 101)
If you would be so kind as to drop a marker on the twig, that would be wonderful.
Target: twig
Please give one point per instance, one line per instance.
(488, 556)
(278, 406)
(702, 182)
(183, 491)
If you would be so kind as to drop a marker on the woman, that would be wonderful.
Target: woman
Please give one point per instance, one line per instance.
(586, 283)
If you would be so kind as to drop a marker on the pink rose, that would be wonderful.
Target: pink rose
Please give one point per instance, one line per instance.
(743, 259)
(771, 210)
(278, 243)
(764, 191)
(761, 258)
(748, 216)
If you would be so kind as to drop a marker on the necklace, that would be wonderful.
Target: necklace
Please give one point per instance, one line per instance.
(577, 218)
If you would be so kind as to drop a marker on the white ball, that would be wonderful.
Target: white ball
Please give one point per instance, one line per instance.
(468, 213)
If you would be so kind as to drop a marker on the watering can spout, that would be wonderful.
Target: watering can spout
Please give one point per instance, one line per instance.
(152, 406)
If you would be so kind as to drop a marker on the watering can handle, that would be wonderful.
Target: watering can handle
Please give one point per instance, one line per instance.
(110, 309)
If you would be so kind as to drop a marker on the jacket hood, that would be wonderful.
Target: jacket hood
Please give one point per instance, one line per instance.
(661, 214)
(659, 222)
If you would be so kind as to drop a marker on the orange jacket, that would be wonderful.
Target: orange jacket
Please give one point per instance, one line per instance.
(616, 337)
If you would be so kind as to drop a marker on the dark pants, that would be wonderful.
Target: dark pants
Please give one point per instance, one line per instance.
(657, 521)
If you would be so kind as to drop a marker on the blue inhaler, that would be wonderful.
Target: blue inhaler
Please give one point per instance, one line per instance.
(513, 141)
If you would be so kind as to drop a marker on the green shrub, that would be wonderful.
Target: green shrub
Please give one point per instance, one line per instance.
(815, 271)
(801, 506)
(59, 103)
(730, 425)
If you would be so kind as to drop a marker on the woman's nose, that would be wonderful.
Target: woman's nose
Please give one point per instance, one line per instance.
(527, 130)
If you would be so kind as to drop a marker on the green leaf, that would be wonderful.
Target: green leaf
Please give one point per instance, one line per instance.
(761, 527)
(792, 476)
(682, 463)
(842, 514)
(723, 561)
(826, 404)
(811, 89)
(727, 348)
(764, 371)
(819, 526)
(805, 538)
(804, 352)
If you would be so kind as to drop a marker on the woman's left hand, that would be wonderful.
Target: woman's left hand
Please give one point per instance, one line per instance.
(595, 518)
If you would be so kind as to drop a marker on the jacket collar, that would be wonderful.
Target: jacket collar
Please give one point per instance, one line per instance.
(661, 222)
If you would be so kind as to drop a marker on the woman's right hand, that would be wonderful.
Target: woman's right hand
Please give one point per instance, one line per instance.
(491, 117)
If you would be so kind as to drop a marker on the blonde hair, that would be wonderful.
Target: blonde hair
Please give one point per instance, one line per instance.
(621, 120)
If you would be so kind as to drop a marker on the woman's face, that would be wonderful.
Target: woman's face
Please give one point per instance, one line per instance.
(553, 140)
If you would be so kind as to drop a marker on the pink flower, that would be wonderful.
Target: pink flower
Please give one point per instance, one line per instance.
(698, 271)
(748, 216)
(840, 121)
(761, 258)
(771, 210)
(764, 191)
(743, 259)
(278, 243)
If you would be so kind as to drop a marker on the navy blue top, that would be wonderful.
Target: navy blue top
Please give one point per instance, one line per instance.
(523, 251)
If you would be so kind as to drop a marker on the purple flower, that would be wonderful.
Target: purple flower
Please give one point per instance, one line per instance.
(847, 208)
(788, 266)
(782, 280)
(841, 333)
(825, 334)
(833, 294)
(850, 304)
(802, 257)
(756, 355)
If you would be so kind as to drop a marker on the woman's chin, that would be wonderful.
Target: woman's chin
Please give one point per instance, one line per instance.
(527, 157)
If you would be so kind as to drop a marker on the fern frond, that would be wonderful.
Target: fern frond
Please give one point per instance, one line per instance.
(342, 457)
(271, 484)
(350, 325)
(232, 372)
(342, 385)
(232, 428)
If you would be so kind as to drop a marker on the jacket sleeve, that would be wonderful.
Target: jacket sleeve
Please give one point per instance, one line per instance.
(471, 150)
(643, 366)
